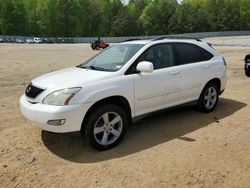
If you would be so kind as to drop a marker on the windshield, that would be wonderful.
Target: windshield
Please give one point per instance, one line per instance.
(113, 58)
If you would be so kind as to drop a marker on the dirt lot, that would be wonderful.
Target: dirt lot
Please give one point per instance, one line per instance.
(178, 148)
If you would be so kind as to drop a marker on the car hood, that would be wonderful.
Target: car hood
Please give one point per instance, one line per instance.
(70, 77)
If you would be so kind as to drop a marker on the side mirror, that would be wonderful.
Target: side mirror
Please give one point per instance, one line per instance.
(145, 66)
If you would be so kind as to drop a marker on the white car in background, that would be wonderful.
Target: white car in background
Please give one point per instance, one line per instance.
(38, 40)
(29, 40)
(101, 96)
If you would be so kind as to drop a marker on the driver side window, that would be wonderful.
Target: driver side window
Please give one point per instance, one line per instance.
(160, 55)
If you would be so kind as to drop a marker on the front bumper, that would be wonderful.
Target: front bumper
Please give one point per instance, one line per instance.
(41, 113)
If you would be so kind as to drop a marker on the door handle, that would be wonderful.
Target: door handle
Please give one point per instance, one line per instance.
(174, 73)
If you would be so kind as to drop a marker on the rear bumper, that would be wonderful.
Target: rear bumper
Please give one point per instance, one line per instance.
(223, 83)
(40, 114)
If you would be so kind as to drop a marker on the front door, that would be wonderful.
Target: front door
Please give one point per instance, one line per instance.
(161, 88)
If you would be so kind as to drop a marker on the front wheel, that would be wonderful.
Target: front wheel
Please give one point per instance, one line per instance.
(106, 127)
(209, 98)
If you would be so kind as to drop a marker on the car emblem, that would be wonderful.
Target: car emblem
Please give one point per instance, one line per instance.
(28, 89)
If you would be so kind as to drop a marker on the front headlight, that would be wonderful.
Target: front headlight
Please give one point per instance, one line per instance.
(61, 97)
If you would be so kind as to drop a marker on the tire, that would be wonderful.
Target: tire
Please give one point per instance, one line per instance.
(100, 132)
(209, 98)
(247, 74)
(97, 48)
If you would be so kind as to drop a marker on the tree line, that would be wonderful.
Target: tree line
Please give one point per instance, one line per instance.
(81, 18)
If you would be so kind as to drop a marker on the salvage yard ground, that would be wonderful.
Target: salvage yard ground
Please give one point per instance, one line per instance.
(177, 148)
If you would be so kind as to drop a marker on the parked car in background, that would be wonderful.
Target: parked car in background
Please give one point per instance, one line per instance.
(38, 40)
(10, 40)
(247, 65)
(29, 40)
(96, 45)
(1, 40)
(19, 40)
(48, 41)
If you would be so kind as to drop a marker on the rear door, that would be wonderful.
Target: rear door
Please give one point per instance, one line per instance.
(194, 68)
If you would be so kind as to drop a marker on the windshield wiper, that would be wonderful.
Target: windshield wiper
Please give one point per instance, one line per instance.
(92, 68)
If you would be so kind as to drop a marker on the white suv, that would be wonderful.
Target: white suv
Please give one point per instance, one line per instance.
(101, 96)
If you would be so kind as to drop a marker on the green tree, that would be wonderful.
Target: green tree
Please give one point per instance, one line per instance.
(220, 13)
(32, 27)
(135, 9)
(121, 25)
(48, 18)
(155, 17)
(113, 18)
(245, 14)
(13, 17)
(189, 17)
(66, 17)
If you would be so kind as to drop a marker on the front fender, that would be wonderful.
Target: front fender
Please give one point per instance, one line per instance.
(94, 92)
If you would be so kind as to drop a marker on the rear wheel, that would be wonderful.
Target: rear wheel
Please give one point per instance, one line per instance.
(209, 98)
(106, 127)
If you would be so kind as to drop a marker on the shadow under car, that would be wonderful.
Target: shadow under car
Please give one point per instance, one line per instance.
(149, 132)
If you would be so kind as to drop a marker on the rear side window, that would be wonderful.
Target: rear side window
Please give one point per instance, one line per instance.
(188, 53)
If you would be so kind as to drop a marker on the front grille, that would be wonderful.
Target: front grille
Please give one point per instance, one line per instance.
(33, 91)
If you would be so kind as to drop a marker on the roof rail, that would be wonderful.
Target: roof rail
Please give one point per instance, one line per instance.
(173, 37)
(132, 39)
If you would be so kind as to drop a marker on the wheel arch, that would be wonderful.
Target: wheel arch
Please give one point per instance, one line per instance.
(216, 81)
(118, 100)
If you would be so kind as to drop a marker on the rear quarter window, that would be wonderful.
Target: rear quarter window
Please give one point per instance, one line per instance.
(205, 54)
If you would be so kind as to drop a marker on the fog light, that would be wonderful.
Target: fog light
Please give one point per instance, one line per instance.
(56, 122)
